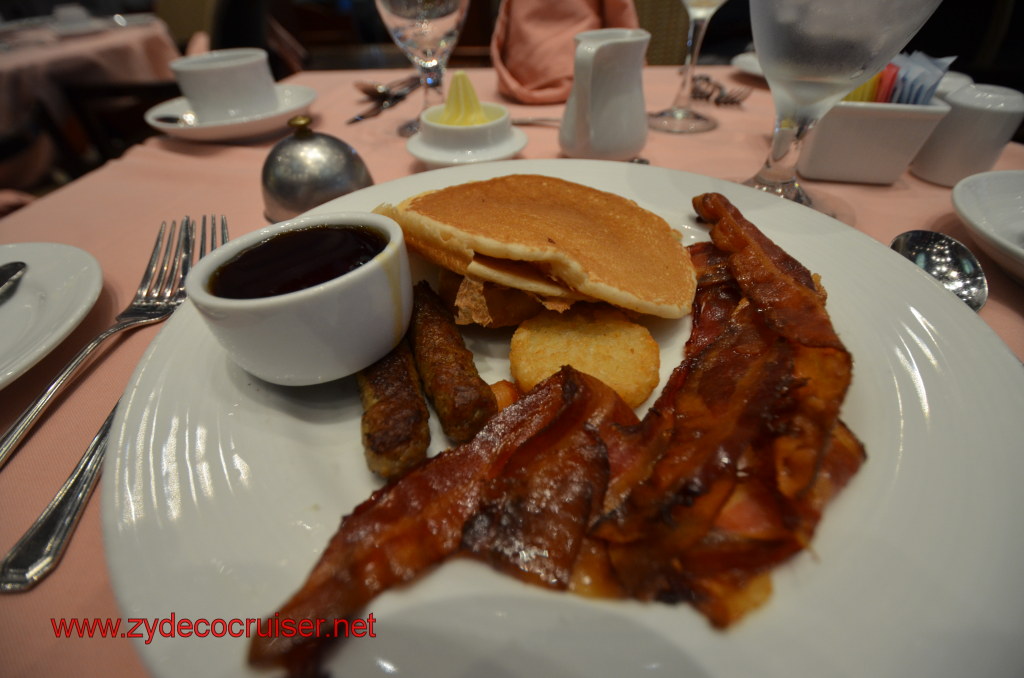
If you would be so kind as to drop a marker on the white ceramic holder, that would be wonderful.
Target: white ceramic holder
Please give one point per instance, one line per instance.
(982, 120)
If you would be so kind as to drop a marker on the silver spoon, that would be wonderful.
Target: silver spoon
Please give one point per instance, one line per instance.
(948, 261)
(185, 120)
(10, 274)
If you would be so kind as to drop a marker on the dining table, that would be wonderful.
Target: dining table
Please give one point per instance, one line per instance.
(113, 213)
(39, 54)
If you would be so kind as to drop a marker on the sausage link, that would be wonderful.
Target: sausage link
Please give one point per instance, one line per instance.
(463, 401)
(396, 421)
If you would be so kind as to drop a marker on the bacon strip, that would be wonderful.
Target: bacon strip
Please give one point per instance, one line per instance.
(794, 306)
(533, 519)
(410, 525)
(756, 447)
(779, 285)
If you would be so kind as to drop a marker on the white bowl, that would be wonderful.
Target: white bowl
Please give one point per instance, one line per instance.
(991, 204)
(439, 145)
(317, 334)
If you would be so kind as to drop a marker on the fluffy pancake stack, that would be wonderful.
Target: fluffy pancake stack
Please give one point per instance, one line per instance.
(520, 243)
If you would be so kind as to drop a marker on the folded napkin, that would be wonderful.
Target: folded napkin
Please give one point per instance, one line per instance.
(532, 47)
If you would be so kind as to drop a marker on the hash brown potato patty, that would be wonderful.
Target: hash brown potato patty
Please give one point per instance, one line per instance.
(595, 339)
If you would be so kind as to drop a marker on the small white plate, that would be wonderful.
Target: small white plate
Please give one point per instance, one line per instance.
(59, 287)
(291, 100)
(446, 157)
(748, 63)
(991, 204)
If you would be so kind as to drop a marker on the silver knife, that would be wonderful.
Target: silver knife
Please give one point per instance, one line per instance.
(379, 107)
(40, 549)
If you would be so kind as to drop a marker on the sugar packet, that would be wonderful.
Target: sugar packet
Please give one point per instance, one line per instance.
(918, 77)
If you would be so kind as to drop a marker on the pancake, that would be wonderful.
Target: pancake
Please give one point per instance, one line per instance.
(555, 239)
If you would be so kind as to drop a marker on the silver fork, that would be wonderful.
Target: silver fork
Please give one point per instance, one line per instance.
(161, 290)
(732, 97)
(40, 549)
(703, 87)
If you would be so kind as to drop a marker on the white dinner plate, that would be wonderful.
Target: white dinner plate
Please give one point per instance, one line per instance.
(220, 493)
(59, 287)
(291, 100)
(991, 205)
(748, 63)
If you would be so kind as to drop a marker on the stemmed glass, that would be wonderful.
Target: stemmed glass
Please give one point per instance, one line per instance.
(426, 31)
(680, 116)
(813, 53)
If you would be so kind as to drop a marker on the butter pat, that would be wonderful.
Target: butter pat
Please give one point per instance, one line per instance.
(462, 106)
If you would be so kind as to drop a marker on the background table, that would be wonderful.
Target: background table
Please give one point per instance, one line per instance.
(36, 60)
(113, 213)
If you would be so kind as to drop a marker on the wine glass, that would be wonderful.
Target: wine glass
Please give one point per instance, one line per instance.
(680, 116)
(813, 53)
(426, 31)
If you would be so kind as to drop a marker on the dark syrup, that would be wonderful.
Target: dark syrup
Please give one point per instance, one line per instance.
(296, 260)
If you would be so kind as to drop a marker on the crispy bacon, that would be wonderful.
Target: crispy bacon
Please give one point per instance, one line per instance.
(716, 299)
(779, 285)
(532, 519)
(756, 449)
(414, 523)
(793, 305)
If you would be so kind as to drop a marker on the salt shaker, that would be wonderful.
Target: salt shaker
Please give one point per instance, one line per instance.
(307, 169)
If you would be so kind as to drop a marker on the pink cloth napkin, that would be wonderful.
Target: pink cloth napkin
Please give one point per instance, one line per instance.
(532, 46)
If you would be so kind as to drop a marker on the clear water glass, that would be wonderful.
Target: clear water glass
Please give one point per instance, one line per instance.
(426, 31)
(813, 53)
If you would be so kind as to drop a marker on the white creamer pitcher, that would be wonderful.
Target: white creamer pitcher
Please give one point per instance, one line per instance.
(605, 117)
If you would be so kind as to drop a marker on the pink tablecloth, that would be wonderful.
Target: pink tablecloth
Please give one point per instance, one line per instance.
(113, 213)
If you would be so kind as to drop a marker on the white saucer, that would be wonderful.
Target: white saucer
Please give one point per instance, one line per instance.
(291, 100)
(748, 63)
(435, 157)
(991, 205)
(59, 287)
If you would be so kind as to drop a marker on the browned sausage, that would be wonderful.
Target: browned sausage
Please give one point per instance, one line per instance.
(396, 421)
(463, 401)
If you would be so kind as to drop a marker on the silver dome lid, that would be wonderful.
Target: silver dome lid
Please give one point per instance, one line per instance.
(308, 169)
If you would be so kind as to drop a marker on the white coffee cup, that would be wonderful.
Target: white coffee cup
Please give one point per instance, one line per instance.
(982, 120)
(227, 84)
